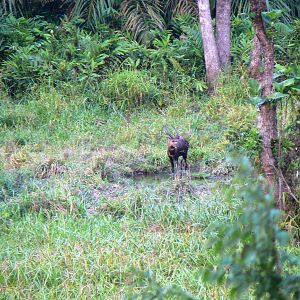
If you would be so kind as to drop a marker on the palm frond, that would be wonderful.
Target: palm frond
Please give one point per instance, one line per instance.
(239, 7)
(92, 11)
(27, 8)
(142, 16)
(290, 8)
(11, 6)
(175, 7)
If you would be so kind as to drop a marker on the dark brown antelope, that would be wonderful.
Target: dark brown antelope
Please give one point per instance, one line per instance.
(177, 146)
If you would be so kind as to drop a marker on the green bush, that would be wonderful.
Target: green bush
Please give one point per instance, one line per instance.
(252, 251)
(40, 52)
(22, 32)
(242, 39)
(129, 89)
(245, 138)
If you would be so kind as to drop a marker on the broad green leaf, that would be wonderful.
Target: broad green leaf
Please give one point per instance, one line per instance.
(257, 101)
(272, 15)
(296, 88)
(278, 87)
(277, 95)
(281, 86)
(295, 69)
(288, 82)
(280, 68)
(277, 75)
(283, 28)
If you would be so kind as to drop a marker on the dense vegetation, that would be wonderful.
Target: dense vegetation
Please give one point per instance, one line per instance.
(82, 110)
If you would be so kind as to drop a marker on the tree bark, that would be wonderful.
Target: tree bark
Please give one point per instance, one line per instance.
(255, 61)
(211, 56)
(223, 31)
(263, 55)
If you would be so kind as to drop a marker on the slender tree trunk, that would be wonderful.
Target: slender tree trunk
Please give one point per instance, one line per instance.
(255, 59)
(263, 55)
(211, 56)
(223, 31)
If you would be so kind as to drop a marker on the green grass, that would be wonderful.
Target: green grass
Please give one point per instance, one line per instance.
(53, 121)
(63, 254)
(73, 226)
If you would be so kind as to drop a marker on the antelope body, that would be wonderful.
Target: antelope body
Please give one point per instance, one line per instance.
(177, 146)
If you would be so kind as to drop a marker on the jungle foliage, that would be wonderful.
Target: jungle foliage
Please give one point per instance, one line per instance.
(86, 87)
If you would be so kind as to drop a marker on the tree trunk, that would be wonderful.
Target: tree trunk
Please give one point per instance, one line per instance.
(255, 59)
(223, 31)
(211, 56)
(263, 55)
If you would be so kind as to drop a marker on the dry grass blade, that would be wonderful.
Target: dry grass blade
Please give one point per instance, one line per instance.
(50, 167)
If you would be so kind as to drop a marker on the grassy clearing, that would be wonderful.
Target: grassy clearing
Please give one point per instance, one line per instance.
(74, 226)
(53, 122)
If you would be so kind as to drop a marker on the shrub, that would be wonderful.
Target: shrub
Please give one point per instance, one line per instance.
(40, 51)
(252, 250)
(22, 32)
(130, 88)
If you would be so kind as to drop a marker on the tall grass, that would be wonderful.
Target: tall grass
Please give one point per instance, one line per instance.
(52, 253)
(73, 226)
